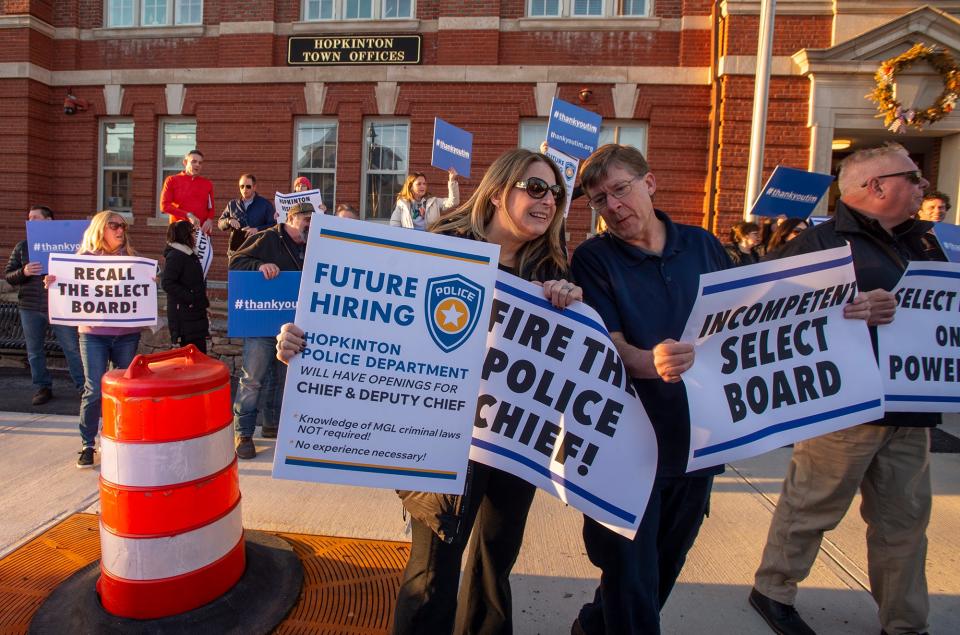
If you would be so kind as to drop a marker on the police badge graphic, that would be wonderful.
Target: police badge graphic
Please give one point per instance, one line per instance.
(453, 306)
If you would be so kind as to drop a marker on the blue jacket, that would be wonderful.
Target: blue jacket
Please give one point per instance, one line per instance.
(259, 214)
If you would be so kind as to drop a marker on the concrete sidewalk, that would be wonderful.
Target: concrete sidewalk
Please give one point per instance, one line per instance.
(553, 576)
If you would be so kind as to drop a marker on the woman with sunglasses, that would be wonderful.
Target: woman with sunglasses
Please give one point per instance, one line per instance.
(416, 209)
(515, 206)
(100, 345)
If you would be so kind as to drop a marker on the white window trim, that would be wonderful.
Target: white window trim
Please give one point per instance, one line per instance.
(364, 161)
(375, 13)
(138, 17)
(295, 170)
(161, 125)
(609, 10)
(102, 145)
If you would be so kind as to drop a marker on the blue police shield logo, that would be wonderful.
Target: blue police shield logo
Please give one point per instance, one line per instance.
(452, 310)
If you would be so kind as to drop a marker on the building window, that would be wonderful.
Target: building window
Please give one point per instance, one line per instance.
(177, 137)
(315, 157)
(586, 8)
(385, 164)
(135, 13)
(116, 165)
(357, 9)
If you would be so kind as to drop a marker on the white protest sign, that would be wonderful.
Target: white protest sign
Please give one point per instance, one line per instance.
(776, 362)
(920, 350)
(103, 290)
(283, 202)
(568, 170)
(204, 248)
(384, 394)
(558, 409)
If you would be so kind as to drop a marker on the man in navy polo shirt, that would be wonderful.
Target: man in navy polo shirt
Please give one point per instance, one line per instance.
(642, 276)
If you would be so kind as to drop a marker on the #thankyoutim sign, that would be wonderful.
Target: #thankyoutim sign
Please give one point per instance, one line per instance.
(385, 391)
(775, 360)
(45, 237)
(573, 130)
(791, 192)
(283, 202)
(557, 408)
(920, 351)
(257, 307)
(102, 290)
(452, 147)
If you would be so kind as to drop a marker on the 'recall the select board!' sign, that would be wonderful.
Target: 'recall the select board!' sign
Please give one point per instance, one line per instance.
(336, 50)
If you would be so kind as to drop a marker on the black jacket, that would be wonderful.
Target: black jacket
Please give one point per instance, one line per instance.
(31, 293)
(879, 259)
(186, 289)
(272, 245)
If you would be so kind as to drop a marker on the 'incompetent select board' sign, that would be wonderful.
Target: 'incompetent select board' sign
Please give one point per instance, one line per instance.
(558, 409)
(102, 290)
(384, 393)
(452, 147)
(920, 350)
(45, 237)
(791, 192)
(573, 130)
(257, 307)
(776, 362)
(354, 50)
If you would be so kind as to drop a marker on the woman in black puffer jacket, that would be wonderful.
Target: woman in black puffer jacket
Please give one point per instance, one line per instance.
(186, 288)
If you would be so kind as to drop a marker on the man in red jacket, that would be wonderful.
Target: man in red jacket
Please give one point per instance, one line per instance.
(189, 196)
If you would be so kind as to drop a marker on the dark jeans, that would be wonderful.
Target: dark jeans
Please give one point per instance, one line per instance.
(427, 601)
(637, 575)
(34, 334)
(98, 352)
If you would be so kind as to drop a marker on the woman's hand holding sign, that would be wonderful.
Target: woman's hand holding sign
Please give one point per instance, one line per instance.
(289, 342)
(561, 293)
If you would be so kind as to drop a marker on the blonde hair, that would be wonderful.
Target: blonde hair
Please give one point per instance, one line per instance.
(472, 217)
(93, 242)
(406, 192)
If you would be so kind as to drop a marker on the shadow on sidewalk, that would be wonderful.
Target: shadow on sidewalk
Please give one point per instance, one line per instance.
(16, 393)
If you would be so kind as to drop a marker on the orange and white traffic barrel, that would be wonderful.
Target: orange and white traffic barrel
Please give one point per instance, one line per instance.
(171, 533)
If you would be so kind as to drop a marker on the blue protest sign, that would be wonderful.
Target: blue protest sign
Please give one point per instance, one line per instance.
(791, 192)
(452, 147)
(45, 237)
(257, 307)
(573, 130)
(949, 237)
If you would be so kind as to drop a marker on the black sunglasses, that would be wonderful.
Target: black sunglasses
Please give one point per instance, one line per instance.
(914, 176)
(246, 187)
(537, 188)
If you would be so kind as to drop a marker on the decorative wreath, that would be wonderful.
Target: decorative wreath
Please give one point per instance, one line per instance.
(895, 118)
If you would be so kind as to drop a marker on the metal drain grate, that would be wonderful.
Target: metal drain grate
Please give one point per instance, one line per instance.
(350, 585)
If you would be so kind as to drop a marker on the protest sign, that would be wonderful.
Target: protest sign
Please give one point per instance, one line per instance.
(791, 192)
(45, 237)
(949, 238)
(573, 130)
(283, 202)
(816, 220)
(204, 248)
(920, 351)
(257, 307)
(384, 393)
(557, 408)
(452, 147)
(568, 170)
(103, 290)
(775, 360)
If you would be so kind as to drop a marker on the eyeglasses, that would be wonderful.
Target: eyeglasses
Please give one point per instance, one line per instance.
(246, 187)
(599, 203)
(537, 188)
(914, 176)
(114, 225)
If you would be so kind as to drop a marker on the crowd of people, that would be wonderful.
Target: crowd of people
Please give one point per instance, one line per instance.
(643, 259)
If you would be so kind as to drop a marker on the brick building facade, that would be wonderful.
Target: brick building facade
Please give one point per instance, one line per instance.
(674, 77)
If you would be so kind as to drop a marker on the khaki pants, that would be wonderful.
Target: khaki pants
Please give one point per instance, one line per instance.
(891, 467)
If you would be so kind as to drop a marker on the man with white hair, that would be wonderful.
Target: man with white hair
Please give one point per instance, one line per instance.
(888, 459)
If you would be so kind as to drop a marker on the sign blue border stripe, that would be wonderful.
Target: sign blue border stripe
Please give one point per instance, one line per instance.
(930, 398)
(367, 468)
(100, 263)
(539, 469)
(543, 303)
(786, 425)
(146, 321)
(933, 273)
(776, 275)
(396, 243)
